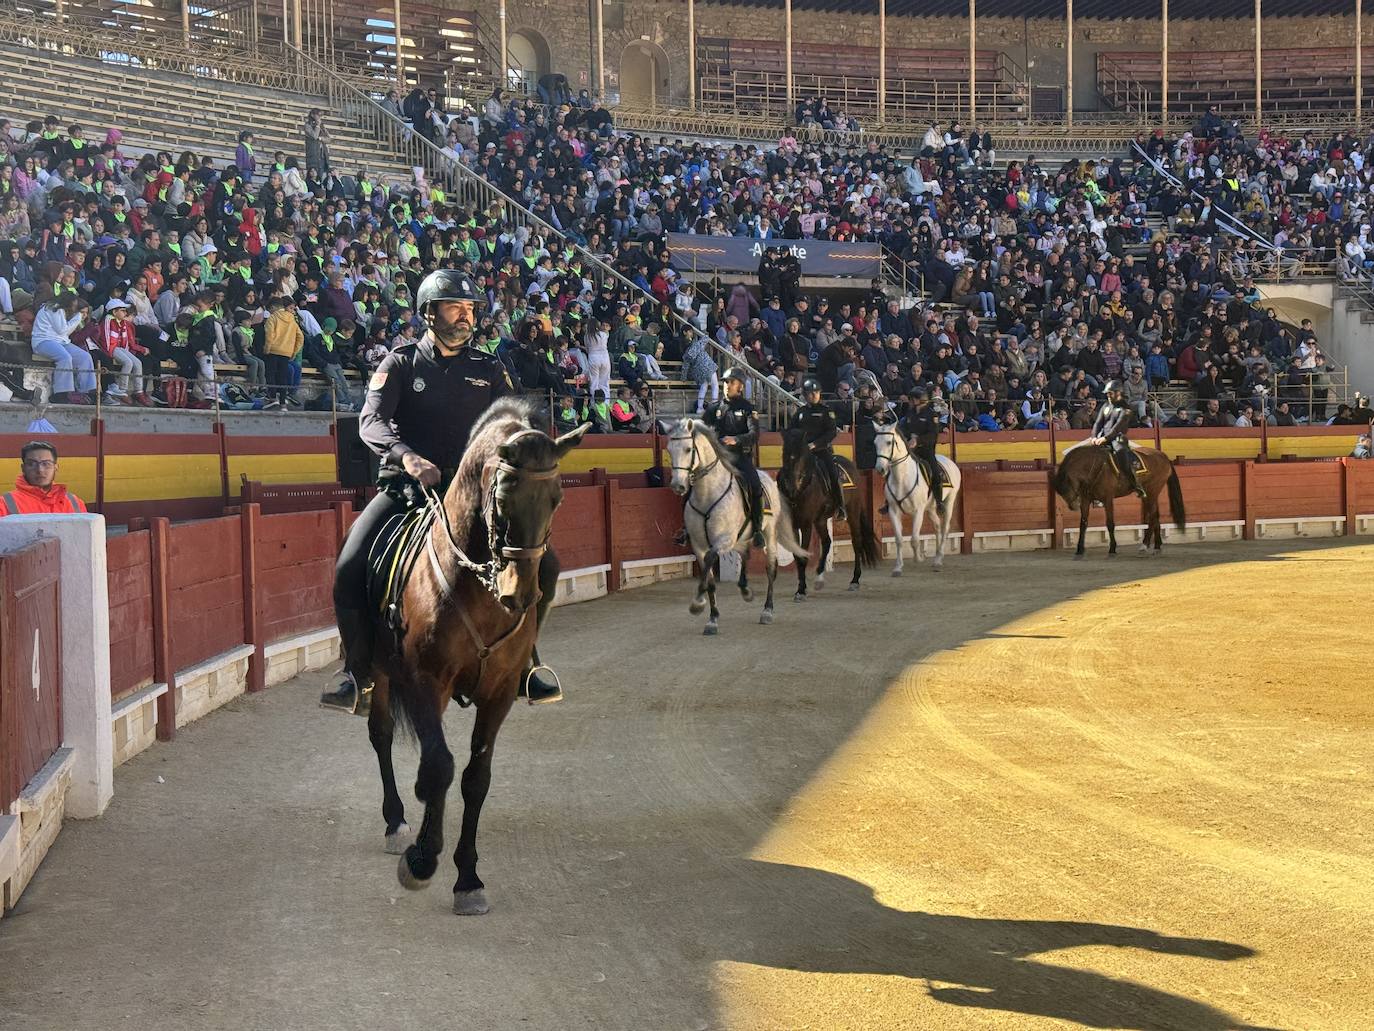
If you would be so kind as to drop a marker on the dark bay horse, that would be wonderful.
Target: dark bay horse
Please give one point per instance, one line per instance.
(1088, 474)
(469, 631)
(802, 485)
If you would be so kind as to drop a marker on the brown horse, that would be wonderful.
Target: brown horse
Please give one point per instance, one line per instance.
(800, 480)
(1088, 474)
(469, 631)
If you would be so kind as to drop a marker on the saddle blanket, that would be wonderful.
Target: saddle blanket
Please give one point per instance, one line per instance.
(929, 474)
(1137, 462)
(393, 555)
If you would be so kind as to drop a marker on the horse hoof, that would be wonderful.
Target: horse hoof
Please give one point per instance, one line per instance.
(409, 881)
(471, 903)
(766, 617)
(799, 596)
(853, 587)
(939, 567)
(1111, 554)
(697, 607)
(710, 630)
(1077, 556)
(896, 572)
(397, 841)
(746, 593)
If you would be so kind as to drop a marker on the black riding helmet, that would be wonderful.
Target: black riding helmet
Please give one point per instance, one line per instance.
(811, 385)
(734, 375)
(445, 284)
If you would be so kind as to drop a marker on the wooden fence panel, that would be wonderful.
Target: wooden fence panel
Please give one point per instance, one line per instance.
(649, 519)
(1012, 500)
(1212, 492)
(205, 580)
(579, 528)
(30, 665)
(1282, 490)
(296, 553)
(129, 576)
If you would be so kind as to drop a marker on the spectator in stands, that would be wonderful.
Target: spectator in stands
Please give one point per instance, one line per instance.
(317, 139)
(36, 491)
(73, 380)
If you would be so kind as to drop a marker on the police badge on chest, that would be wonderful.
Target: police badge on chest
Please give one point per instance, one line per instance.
(419, 384)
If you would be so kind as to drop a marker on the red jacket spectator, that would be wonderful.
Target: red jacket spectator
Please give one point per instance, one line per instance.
(36, 492)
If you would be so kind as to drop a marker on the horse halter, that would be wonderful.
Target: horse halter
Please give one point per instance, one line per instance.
(891, 458)
(694, 469)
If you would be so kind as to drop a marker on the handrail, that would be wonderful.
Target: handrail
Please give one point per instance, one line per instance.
(1233, 224)
(474, 188)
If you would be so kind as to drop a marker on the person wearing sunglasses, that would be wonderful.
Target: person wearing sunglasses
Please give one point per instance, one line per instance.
(37, 491)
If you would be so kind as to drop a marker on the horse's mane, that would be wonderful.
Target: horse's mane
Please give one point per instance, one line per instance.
(723, 453)
(502, 420)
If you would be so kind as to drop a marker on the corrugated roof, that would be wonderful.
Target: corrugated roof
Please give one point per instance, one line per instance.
(1100, 9)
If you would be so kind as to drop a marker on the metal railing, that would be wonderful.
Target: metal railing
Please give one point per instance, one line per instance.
(472, 191)
(1124, 92)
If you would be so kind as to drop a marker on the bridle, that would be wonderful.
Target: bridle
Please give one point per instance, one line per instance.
(502, 552)
(695, 471)
(890, 458)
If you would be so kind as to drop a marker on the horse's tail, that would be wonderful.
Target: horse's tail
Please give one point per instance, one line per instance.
(862, 537)
(1176, 499)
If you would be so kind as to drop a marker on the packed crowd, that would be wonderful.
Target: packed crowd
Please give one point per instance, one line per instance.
(1034, 287)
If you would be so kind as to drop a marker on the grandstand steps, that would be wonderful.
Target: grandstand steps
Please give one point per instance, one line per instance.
(178, 112)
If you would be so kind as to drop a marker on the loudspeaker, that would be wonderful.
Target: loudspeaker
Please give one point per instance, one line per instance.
(358, 464)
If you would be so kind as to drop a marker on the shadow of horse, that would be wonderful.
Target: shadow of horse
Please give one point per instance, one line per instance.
(797, 918)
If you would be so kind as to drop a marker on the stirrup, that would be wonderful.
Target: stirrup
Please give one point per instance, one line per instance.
(556, 695)
(355, 702)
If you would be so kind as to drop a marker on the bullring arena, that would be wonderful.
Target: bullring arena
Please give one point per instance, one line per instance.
(1017, 792)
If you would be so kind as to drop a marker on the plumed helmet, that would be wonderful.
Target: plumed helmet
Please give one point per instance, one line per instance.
(1114, 385)
(811, 385)
(445, 284)
(734, 374)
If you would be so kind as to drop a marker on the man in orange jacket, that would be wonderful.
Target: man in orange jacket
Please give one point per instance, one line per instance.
(36, 492)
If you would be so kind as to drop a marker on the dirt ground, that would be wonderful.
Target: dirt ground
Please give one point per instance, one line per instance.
(1024, 793)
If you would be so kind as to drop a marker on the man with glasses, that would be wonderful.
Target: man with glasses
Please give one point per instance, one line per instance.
(36, 492)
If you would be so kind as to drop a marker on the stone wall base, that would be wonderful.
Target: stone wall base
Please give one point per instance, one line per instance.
(133, 722)
(35, 819)
(317, 649)
(206, 686)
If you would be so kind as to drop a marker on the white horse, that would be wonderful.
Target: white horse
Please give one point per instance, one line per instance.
(717, 514)
(908, 493)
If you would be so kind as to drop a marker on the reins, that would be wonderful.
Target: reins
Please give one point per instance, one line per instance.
(902, 458)
(695, 472)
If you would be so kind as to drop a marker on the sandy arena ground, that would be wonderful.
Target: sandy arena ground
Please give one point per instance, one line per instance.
(1025, 793)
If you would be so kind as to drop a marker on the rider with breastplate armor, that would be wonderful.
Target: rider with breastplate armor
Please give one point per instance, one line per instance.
(1110, 428)
(816, 423)
(421, 404)
(737, 427)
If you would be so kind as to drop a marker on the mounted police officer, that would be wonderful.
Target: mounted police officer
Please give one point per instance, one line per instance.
(421, 405)
(816, 422)
(921, 426)
(737, 427)
(1110, 429)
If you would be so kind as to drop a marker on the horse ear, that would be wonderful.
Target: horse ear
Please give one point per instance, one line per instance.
(571, 439)
(665, 427)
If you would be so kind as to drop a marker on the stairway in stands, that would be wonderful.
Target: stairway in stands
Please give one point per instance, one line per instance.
(158, 109)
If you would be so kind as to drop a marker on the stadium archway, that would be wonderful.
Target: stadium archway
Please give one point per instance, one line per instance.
(644, 73)
(529, 56)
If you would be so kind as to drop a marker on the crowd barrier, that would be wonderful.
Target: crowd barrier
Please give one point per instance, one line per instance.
(147, 630)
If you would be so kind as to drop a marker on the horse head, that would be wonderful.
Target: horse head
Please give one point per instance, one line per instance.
(522, 484)
(689, 453)
(794, 453)
(886, 446)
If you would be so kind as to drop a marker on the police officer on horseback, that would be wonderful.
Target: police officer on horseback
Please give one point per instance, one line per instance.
(737, 427)
(921, 426)
(816, 423)
(421, 404)
(1110, 429)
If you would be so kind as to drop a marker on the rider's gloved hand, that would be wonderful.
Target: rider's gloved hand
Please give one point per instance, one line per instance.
(421, 469)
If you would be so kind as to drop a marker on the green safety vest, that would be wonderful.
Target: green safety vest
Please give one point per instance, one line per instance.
(603, 412)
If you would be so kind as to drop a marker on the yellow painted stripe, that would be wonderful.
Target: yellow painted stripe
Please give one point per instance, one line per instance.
(1006, 450)
(1312, 447)
(161, 477)
(1211, 447)
(77, 473)
(612, 459)
(302, 468)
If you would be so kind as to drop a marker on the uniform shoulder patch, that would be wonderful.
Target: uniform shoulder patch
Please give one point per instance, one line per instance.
(377, 381)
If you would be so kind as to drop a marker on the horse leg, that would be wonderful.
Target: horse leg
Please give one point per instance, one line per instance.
(713, 620)
(744, 591)
(381, 728)
(469, 899)
(894, 512)
(823, 562)
(771, 558)
(944, 513)
(1084, 506)
(421, 859)
(805, 534)
(1150, 510)
(1110, 506)
(698, 605)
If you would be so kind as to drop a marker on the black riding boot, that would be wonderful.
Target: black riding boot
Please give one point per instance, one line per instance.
(756, 511)
(1127, 463)
(354, 693)
(837, 492)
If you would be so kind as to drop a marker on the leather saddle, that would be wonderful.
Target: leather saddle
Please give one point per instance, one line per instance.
(1137, 462)
(930, 470)
(390, 560)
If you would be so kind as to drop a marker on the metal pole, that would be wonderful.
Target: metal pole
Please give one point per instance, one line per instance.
(505, 54)
(787, 46)
(400, 61)
(1359, 63)
(1259, 65)
(186, 21)
(600, 50)
(691, 53)
(1164, 62)
(972, 75)
(882, 60)
(1068, 57)
(296, 37)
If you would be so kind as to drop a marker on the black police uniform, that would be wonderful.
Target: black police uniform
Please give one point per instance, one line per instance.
(816, 422)
(1113, 423)
(922, 425)
(423, 401)
(736, 418)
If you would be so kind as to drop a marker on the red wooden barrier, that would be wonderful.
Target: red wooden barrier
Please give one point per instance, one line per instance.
(30, 669)
(129, 562)
(579, 528)
(205, 579)
(295, 573)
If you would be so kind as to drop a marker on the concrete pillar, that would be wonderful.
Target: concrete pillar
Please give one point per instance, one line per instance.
(1359, 62)
(85, 657)
(787, 57)
(1164, 60)
(691, 52)
(186, 21)
(1259, 63)
(882, 61)
(1068, 54)
(972, 74)
(400, 61)
(505, 52)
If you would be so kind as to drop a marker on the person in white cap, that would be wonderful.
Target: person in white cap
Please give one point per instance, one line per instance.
(121, 346)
